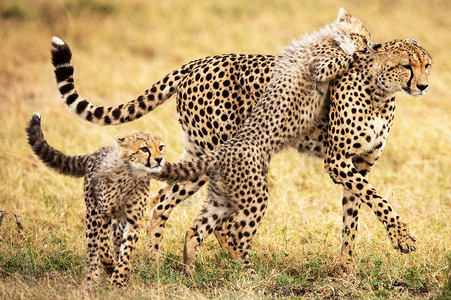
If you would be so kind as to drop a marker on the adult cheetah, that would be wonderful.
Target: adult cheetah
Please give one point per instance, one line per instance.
(362, 107)
(215, 95)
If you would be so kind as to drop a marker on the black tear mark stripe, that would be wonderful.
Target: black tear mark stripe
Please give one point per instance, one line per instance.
(410, 79)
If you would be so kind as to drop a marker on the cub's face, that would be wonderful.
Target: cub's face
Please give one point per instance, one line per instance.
(406, 67)
(143, 152)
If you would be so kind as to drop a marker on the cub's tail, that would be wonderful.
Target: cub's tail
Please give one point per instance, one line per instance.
(101, 115)
(67, 165)
(188, 170)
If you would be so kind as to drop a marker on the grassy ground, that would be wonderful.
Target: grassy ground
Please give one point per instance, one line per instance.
(121, 48)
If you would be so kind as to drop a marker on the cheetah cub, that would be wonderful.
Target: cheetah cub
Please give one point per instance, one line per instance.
(116, 187)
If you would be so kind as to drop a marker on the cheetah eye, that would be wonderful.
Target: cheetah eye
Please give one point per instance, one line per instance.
(144, 149)
(161, 148)
(408, 67)
(427, 66)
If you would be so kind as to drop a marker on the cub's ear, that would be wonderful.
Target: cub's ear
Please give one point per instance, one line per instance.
(343, 16)
(119, 140)
(412, 41)
(375, 47)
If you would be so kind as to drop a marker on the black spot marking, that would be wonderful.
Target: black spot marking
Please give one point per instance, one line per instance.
(98, 112)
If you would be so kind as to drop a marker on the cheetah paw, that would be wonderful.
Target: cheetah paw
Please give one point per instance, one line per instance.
(403, 240)
(188, 269)
(250, 273)
(345, 268)
(109, 269)
(117, 285)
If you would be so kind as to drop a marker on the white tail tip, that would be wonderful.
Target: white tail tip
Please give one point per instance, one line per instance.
(37, 115)
(57, 41)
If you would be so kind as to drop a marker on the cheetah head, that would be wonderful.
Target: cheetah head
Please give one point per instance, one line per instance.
(404, 66)
(143, 152)
(350, 33)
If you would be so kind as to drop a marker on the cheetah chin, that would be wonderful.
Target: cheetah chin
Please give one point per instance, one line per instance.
(143, 170)
(153, 170)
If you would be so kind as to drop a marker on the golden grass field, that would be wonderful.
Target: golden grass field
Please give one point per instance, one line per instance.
(119, 49)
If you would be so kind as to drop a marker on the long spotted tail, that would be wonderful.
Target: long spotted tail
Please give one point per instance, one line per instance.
(188, 170)
(101, 115)
(67, 165)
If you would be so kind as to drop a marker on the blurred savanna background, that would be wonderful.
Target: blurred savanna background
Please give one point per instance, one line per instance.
(119, 49)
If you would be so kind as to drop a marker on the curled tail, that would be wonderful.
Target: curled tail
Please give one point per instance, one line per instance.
(101, 115)
(188, 170)
(67, 165)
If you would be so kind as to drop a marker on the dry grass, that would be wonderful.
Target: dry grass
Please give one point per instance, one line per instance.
(119, 51)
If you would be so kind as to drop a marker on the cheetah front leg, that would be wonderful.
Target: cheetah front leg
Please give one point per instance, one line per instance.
(106, 259)
(351, 207)
(103, 225)
(129, 238)
(342, 171)
(121, 271)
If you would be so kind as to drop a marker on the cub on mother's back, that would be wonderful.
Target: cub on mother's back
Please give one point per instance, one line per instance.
(116, 186)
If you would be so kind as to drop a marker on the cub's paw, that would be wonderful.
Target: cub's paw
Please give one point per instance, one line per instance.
(317, 71)
(345, 43)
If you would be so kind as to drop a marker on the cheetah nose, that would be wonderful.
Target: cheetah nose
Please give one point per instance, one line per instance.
(158, 160)
(422, 87)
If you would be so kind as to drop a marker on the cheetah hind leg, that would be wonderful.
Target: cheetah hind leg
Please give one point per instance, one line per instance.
(210, 217)
(241, 231)
(164, 202)
(222, 234)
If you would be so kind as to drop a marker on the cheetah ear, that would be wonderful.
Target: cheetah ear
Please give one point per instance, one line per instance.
(412, 41)
(343, 16)
(119, 140)
(373, 47)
